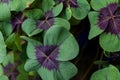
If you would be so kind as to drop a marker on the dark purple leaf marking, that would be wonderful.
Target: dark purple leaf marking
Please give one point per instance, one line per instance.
(46, 56)
(47, 22)
(71, 3)
(109, 19)
(11, 71)
(17, 21)
(4, 1)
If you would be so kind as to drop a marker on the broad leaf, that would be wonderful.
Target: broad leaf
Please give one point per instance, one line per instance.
(46, 74)
(29, 27)
(62, 23)
(98, 4)
(65, 40)
(31, 65)
(109, 73)
(34, 13)
(67, 70)
(81, 11)
(5, 12)
(47, 5)
(3, 77)
(57, 9)
(110, 42)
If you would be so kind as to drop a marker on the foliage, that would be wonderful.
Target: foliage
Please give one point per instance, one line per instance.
(38, 41)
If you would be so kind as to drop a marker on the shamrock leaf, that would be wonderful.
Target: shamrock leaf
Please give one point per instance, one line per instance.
(32, 27)
(105, 22)
(51, 58)
(109, 73)
(76, 8)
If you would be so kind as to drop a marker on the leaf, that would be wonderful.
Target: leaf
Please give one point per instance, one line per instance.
(29, 27)
(31, 46)
(110, 42)
(31, 65)
(109, 73)
(34, 13)
(19, 5)
(68, 46)
(18, 42)
(47, 5)
(66, 14)
(46, 74)
(94, 29)
(57, 9)
(2, 48)
(62, 23)
(3, 77)
(10, 42)
(16, 5)
(98, 4)
(67, 70)
(22, 77)
(5, 12)
(6, 28)
(8, 59)
(82, 11)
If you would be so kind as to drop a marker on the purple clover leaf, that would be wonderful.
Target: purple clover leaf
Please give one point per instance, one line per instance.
(105, 22)
(53, 55)
(76, 8)
(32, 27)
(17, 21)
(47, 22)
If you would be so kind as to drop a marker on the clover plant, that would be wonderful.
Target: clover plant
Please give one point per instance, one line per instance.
(41, 39)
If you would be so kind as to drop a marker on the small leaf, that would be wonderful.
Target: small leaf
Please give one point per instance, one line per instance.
(16, 5)
(8, 59)
(3, 77)
(67, 70)
(6, 28)
(22, 77)
(98, 4)
(62, 23)
(109, 73)
(34, 13)
(47, 5)
(57, 9)
(18, 42)
(110, 42)
(46, 74)
(29, 27)
(5, 12)
(94, 29)
(10, 42)
(2, 48)
(31, 46)
(82, 11)
(31, 65)
(66, 14)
